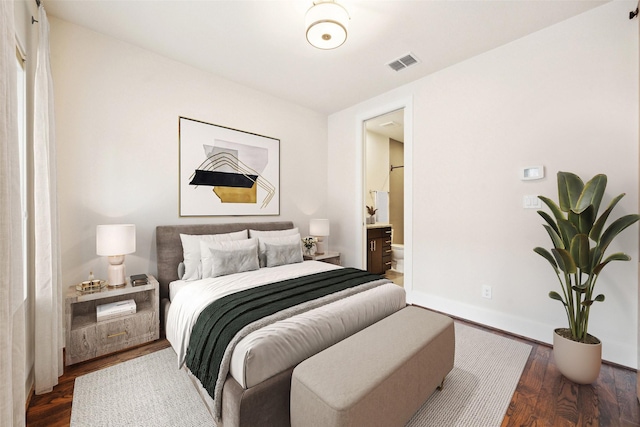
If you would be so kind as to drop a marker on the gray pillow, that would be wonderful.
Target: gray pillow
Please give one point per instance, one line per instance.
(282, 254)
(277, 240)
(207, 266)
(192, 254)
(234, 260)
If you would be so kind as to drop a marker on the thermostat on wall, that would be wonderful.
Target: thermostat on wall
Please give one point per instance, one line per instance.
(532, 172)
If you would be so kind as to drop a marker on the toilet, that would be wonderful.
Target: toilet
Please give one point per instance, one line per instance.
(397, 257)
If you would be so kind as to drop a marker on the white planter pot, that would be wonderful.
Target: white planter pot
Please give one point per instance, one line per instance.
(577, 361)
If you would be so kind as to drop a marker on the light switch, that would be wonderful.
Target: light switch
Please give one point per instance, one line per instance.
(531, 202)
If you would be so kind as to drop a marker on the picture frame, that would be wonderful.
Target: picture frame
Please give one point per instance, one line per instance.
(226, 172)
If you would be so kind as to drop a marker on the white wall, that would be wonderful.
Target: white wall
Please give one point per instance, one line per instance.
(117, 109)
(565, 97)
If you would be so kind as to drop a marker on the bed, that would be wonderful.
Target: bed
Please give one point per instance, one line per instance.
(255, 377)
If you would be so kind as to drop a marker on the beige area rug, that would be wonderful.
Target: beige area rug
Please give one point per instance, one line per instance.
(151, 391)
(478, 390)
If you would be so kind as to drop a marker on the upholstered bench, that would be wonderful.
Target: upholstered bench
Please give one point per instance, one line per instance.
(379, 376)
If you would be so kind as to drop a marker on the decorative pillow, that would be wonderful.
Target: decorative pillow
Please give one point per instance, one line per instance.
(273, 233)
(284, 240)
(234, 260)
(208, 257)
(282, 254)
(191, 250)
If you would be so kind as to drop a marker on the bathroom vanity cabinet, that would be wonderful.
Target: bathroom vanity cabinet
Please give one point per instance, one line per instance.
(378, 249)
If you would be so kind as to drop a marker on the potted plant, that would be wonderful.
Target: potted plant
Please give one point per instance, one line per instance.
(580, 241)
(372, 215)
(309, 245)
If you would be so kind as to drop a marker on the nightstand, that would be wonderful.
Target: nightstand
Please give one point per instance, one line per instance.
(328, 257)
(86, 338)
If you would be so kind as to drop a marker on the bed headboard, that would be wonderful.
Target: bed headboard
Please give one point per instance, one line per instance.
(169, 245)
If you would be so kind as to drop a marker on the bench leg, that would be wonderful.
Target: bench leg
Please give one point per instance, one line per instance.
(441, 386)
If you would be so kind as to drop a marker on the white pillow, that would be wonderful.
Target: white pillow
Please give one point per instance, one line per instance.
(191, 250)
(282, 254)
(273, 233)
(209, 249)
(283, 240)
(230, 261)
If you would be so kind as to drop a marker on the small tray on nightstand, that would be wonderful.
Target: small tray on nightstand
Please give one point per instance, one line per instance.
(91, 288)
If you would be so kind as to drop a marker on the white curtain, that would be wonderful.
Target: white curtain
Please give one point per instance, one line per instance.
(12, 320)
(49, 339)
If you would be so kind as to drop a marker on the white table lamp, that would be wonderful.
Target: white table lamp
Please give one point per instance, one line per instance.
(115, 241)
(319, 228)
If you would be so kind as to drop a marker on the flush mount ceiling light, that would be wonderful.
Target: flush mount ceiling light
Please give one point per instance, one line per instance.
(326, 24)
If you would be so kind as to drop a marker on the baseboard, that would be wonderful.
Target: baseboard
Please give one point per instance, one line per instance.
(615, 353)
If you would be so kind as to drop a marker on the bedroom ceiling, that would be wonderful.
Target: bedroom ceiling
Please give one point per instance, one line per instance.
(261, 44)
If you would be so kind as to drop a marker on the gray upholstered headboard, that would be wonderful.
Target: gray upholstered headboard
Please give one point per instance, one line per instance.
(169, 245)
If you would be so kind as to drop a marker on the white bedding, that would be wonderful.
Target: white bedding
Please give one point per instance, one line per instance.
(281, 345)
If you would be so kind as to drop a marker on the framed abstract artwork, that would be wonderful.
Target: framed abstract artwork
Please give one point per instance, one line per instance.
(225, 171)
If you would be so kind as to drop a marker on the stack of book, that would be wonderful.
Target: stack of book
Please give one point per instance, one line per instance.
(139, 279)
(115, 309)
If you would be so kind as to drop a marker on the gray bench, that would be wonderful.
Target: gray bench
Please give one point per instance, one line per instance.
(377, 377)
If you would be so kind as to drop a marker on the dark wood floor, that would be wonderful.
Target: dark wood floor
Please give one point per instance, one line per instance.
(543, 397)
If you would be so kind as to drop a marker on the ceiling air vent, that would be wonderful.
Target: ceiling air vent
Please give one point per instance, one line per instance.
(404, 62)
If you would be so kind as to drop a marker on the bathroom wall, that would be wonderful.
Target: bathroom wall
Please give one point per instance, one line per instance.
(377, 165)
(381, 152)
(396, 190)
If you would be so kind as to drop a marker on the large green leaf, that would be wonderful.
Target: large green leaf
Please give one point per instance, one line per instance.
(597, 228)
(549, 221)
(616, 228)
(580, 251)
(592, 194)
(545, 254)
(567, 231)
(553, 207)
(564, 260)
(569, 190)
(618, 256)
(584, 220)
(555, 237)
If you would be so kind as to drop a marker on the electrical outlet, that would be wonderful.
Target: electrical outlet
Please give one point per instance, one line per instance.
(486, 291)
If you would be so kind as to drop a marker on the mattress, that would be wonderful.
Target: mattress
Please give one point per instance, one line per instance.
(283, 344)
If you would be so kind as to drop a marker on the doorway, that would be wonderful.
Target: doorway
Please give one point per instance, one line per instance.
(384, 187)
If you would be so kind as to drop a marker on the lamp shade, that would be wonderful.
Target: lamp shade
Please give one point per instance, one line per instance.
(319, 227)
(326, 24)
(115, 239)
